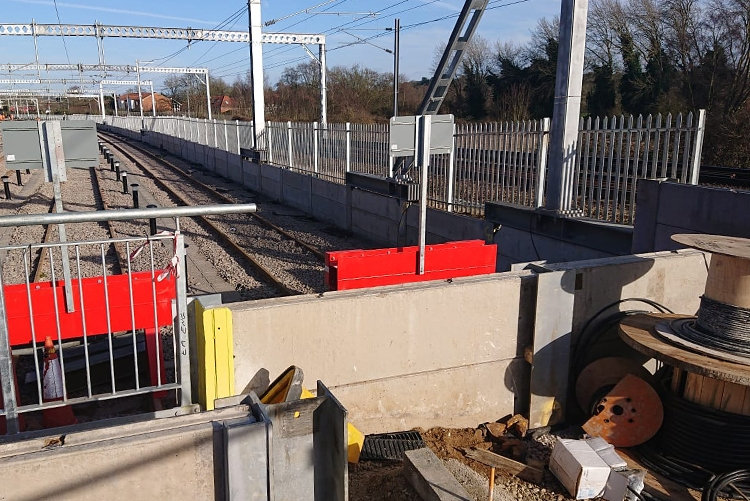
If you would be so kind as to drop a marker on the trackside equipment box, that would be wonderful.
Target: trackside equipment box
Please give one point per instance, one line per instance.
(356, 269)
(24, 141)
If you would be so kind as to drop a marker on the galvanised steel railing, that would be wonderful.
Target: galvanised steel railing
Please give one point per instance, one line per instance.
(118, 320)
(613, 154)
(493, 161)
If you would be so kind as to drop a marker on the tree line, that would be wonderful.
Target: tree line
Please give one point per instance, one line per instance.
(642, 57)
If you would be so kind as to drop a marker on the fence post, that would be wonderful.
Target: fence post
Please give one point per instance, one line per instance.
(289, 136)
(700, 129)
(216, 135)
(237, 128)
(541, 168)
(226, 137)
(348, 146)
(269, 141)
(186, 395)
(7, 372)
(451, 173)
(315, 146)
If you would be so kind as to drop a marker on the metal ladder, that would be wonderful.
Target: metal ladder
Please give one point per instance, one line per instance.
(446, 70)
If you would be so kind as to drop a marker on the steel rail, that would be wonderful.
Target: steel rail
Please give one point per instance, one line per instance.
(121, 254)
(267, 275)
(44, 252)
(265, 222)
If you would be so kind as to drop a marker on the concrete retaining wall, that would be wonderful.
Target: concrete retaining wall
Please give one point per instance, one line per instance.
(388, 223)
(665, 209)
(169, 459)
(673, 279)
(439, 353)
(396, 357)
(525, 234)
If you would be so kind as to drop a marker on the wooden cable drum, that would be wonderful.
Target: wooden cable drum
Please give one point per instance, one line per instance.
(706, 400)
(722, 327)
(729, 273)
(696, 376)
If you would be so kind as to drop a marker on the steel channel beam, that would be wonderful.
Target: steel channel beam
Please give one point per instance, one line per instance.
(190, 34)
(114, 68)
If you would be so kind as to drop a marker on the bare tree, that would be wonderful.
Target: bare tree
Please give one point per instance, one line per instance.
(605, 23)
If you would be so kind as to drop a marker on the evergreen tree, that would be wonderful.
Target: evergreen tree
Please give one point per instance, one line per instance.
(603, 97)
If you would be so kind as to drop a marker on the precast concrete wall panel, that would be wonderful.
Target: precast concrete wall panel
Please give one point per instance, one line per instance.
(297, 190)
(389, 340)
(329, 202)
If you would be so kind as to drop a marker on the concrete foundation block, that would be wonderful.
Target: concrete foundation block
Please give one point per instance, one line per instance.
(430, 478)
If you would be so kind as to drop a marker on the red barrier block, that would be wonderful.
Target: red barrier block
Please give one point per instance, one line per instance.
(356, 269)
(71, 324)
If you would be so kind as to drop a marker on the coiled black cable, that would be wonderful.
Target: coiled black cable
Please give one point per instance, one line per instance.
(595, 326)
(726, 484)
(710, 438)
(696, 442)
(720, 326)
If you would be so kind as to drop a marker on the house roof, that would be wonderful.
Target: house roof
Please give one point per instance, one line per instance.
(218, 100)
(133, 96)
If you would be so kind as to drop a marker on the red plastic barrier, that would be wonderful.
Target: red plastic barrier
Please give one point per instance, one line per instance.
(356, 269)
(71, 325)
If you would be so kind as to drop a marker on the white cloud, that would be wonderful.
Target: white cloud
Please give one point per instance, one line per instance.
(117, 11)
(445, 5)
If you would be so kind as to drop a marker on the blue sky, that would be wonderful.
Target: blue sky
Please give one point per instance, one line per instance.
(361, 18)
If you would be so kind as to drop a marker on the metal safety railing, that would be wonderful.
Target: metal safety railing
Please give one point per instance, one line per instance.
(614, 154)
(124, 333)
(493, 161)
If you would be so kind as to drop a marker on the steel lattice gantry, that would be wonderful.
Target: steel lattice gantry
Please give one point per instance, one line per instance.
(460, 38)
(189, 34)
(65, 81)
(253, 36)
(110, 68)
(113, 68)
(82, 81)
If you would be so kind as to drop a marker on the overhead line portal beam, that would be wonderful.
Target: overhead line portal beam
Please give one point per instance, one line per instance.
(189, 34)
(253, 36)
(66, 81)
(113, 68)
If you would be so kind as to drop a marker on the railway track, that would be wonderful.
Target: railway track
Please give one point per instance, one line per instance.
(276, 268)
(43, 258)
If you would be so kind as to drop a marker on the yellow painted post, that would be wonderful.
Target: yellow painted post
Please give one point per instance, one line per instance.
(215, 354)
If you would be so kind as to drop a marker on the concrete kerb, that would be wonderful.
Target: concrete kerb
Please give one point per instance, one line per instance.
(430, 478)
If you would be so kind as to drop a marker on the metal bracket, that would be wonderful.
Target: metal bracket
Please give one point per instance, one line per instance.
(309, 53)
(56, 172)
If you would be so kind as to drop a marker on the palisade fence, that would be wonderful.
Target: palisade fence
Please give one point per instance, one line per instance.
(613, 154)
(492, 161)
